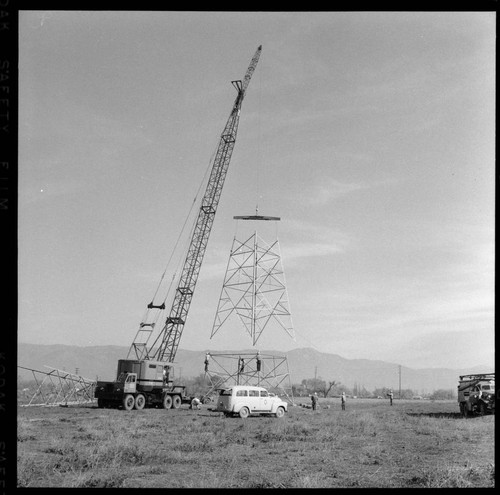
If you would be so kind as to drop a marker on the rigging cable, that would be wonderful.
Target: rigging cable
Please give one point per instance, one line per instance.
(176, 246)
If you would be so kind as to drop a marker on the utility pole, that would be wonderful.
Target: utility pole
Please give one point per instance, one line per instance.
(400, 381)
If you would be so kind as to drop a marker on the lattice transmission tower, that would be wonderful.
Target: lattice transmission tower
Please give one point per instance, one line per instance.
(254, 295)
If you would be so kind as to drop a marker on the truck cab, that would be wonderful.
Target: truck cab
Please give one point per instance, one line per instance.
(476, 394)
(129, 381)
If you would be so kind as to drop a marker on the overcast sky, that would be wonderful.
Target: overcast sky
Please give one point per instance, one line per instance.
(370, 134)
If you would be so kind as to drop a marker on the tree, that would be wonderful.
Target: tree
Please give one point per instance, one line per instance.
(312, 385)
(196, 385)
(330, 386)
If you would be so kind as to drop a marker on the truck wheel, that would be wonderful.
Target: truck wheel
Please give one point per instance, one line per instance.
(140, 402)
(463, 410)
(100, 403)
(482, 409)
(176, 402)
(280, 412)
(244, 412)
(167, 402)
(128, 402)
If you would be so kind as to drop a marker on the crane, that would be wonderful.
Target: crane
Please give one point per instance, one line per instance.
(143, 356)
(164, 347)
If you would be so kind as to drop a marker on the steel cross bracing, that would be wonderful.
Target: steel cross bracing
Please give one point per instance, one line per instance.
(164, 348)
(58, 387)
(224, 370)
(254, 288)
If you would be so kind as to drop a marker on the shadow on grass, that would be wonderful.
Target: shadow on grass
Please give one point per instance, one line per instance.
(439, 415)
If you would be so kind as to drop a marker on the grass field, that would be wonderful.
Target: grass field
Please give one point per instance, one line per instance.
(411, 444)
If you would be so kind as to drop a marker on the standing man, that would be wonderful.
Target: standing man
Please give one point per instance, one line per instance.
(166, 375)
(391, 396)
(314, 400)
(342, 401)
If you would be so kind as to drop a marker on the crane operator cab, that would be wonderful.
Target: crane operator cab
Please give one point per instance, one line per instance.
(166, 376)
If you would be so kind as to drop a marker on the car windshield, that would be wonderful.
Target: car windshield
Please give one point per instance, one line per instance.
(227, 391)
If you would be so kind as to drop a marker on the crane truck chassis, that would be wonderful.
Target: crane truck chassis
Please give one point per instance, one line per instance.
(476, 394)
(140, 384)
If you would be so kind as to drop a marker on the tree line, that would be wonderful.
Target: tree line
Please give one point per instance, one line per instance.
(334, 388)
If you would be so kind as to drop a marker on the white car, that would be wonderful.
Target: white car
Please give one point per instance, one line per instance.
(246, 400)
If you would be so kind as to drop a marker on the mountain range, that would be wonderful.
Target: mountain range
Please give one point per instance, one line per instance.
(101, 362)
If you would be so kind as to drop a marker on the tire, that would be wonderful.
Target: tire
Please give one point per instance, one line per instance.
(176, 401)
(244, 412)
(482, 409)
(101, 403)
(280, 412)
(463, 410)
(128, 402)
(140, 402)
(167, 402)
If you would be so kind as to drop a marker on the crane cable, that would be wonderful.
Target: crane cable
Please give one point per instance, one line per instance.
(179, 237)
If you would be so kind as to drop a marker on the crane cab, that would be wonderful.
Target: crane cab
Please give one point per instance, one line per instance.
(150, 374)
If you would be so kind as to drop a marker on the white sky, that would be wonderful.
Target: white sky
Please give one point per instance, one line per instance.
(370, 134)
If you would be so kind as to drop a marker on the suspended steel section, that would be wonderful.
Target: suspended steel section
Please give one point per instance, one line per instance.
(164, 348)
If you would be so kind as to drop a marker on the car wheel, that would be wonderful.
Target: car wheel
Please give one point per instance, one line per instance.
(280, 412)
(244, 412)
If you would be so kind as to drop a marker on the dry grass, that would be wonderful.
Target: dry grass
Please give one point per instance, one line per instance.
(412, 444)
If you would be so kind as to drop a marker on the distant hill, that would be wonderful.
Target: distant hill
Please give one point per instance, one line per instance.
(101, 361)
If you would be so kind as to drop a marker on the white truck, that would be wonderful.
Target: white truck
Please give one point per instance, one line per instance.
(476, 394)
(246, 400)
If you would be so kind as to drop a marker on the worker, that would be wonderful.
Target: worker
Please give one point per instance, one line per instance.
(258, 361)
(165, 374)
(391, 396)
(195, 403)
(242, 365)
(207, 361)
(314, 400)
(342, 401)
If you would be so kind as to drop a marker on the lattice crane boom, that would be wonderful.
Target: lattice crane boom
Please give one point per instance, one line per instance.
(164, 348)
